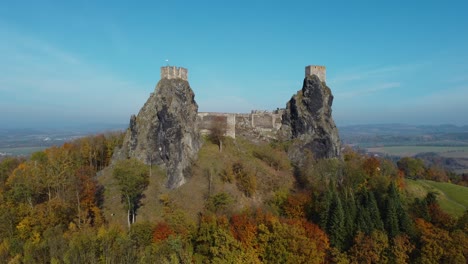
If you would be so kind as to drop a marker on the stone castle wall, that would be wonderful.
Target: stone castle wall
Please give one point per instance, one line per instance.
(205, 122)
(320, 71)
(239, 123)
(172, 72)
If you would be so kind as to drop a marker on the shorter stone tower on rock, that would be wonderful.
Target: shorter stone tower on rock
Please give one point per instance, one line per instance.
(320, 71)
(308, 120)
(173, 72)
(165, 131)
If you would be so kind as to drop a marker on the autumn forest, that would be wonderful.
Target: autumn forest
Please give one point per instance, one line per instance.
(350, 210)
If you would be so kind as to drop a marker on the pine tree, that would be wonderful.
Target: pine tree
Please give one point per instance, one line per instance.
(368, 216)
(324, 209)
(363, 221)
(391, 218)
(350, 212)
(394, 210)
(374, 212)
(336, 222)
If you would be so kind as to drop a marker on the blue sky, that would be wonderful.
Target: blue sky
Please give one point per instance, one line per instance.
(65, 63)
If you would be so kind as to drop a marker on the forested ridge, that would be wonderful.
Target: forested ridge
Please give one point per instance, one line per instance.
(258, 208)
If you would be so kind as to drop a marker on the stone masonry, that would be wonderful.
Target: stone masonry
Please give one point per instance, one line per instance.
(260, 121)
(172, 72)
(205, 121)
(320, 71)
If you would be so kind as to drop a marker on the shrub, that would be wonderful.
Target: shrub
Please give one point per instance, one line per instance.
(219, 202)
(245, 181)
(273, 157)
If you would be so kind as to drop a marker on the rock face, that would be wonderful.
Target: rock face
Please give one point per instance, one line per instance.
(308, 119)
(165, 131)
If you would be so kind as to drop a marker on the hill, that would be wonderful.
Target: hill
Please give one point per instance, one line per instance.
(245, 174)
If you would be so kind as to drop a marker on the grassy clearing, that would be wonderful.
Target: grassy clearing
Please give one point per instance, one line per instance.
(456, 193)
(413, 150)
(452, 198)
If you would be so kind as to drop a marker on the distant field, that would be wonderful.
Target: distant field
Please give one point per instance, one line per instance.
(447, 151)
(455, 154)
(452, 198)
(21, 150)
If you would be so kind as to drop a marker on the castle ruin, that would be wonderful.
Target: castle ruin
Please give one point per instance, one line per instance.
(172, 72)
(166, 131)
(320, 71)
(262, 122)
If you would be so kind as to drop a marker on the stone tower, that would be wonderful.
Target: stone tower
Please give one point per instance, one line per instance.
(172, 72)
(308, 119)
(320, 71)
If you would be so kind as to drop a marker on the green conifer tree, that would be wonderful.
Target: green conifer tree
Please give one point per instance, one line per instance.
(374, 212)
(336, 222)
(324, 209)
(350, 212)
(397, 219)
(391, 218)
(368, 217)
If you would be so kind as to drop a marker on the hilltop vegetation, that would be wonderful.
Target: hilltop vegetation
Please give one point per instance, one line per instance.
(245, 203)
(242, 174)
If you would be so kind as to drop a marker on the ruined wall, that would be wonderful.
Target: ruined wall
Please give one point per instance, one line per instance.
(172, 72)
(205, 122)
(320, 71)
(241, 123)
(266, 119)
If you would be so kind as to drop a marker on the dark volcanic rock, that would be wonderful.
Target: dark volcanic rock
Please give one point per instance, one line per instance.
(308, 120)
(165, 131)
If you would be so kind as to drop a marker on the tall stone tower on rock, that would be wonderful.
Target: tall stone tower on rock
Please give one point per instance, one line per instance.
(165, 132)
(308, 120)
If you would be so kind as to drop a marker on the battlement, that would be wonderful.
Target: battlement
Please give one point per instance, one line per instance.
(173, 72)
(320, 71)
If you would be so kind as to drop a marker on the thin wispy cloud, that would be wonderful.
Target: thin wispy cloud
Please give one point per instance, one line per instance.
(374, 82)
(36, 72)
(366, 74)
(447, 98)
(369, 90)
(26, 48)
